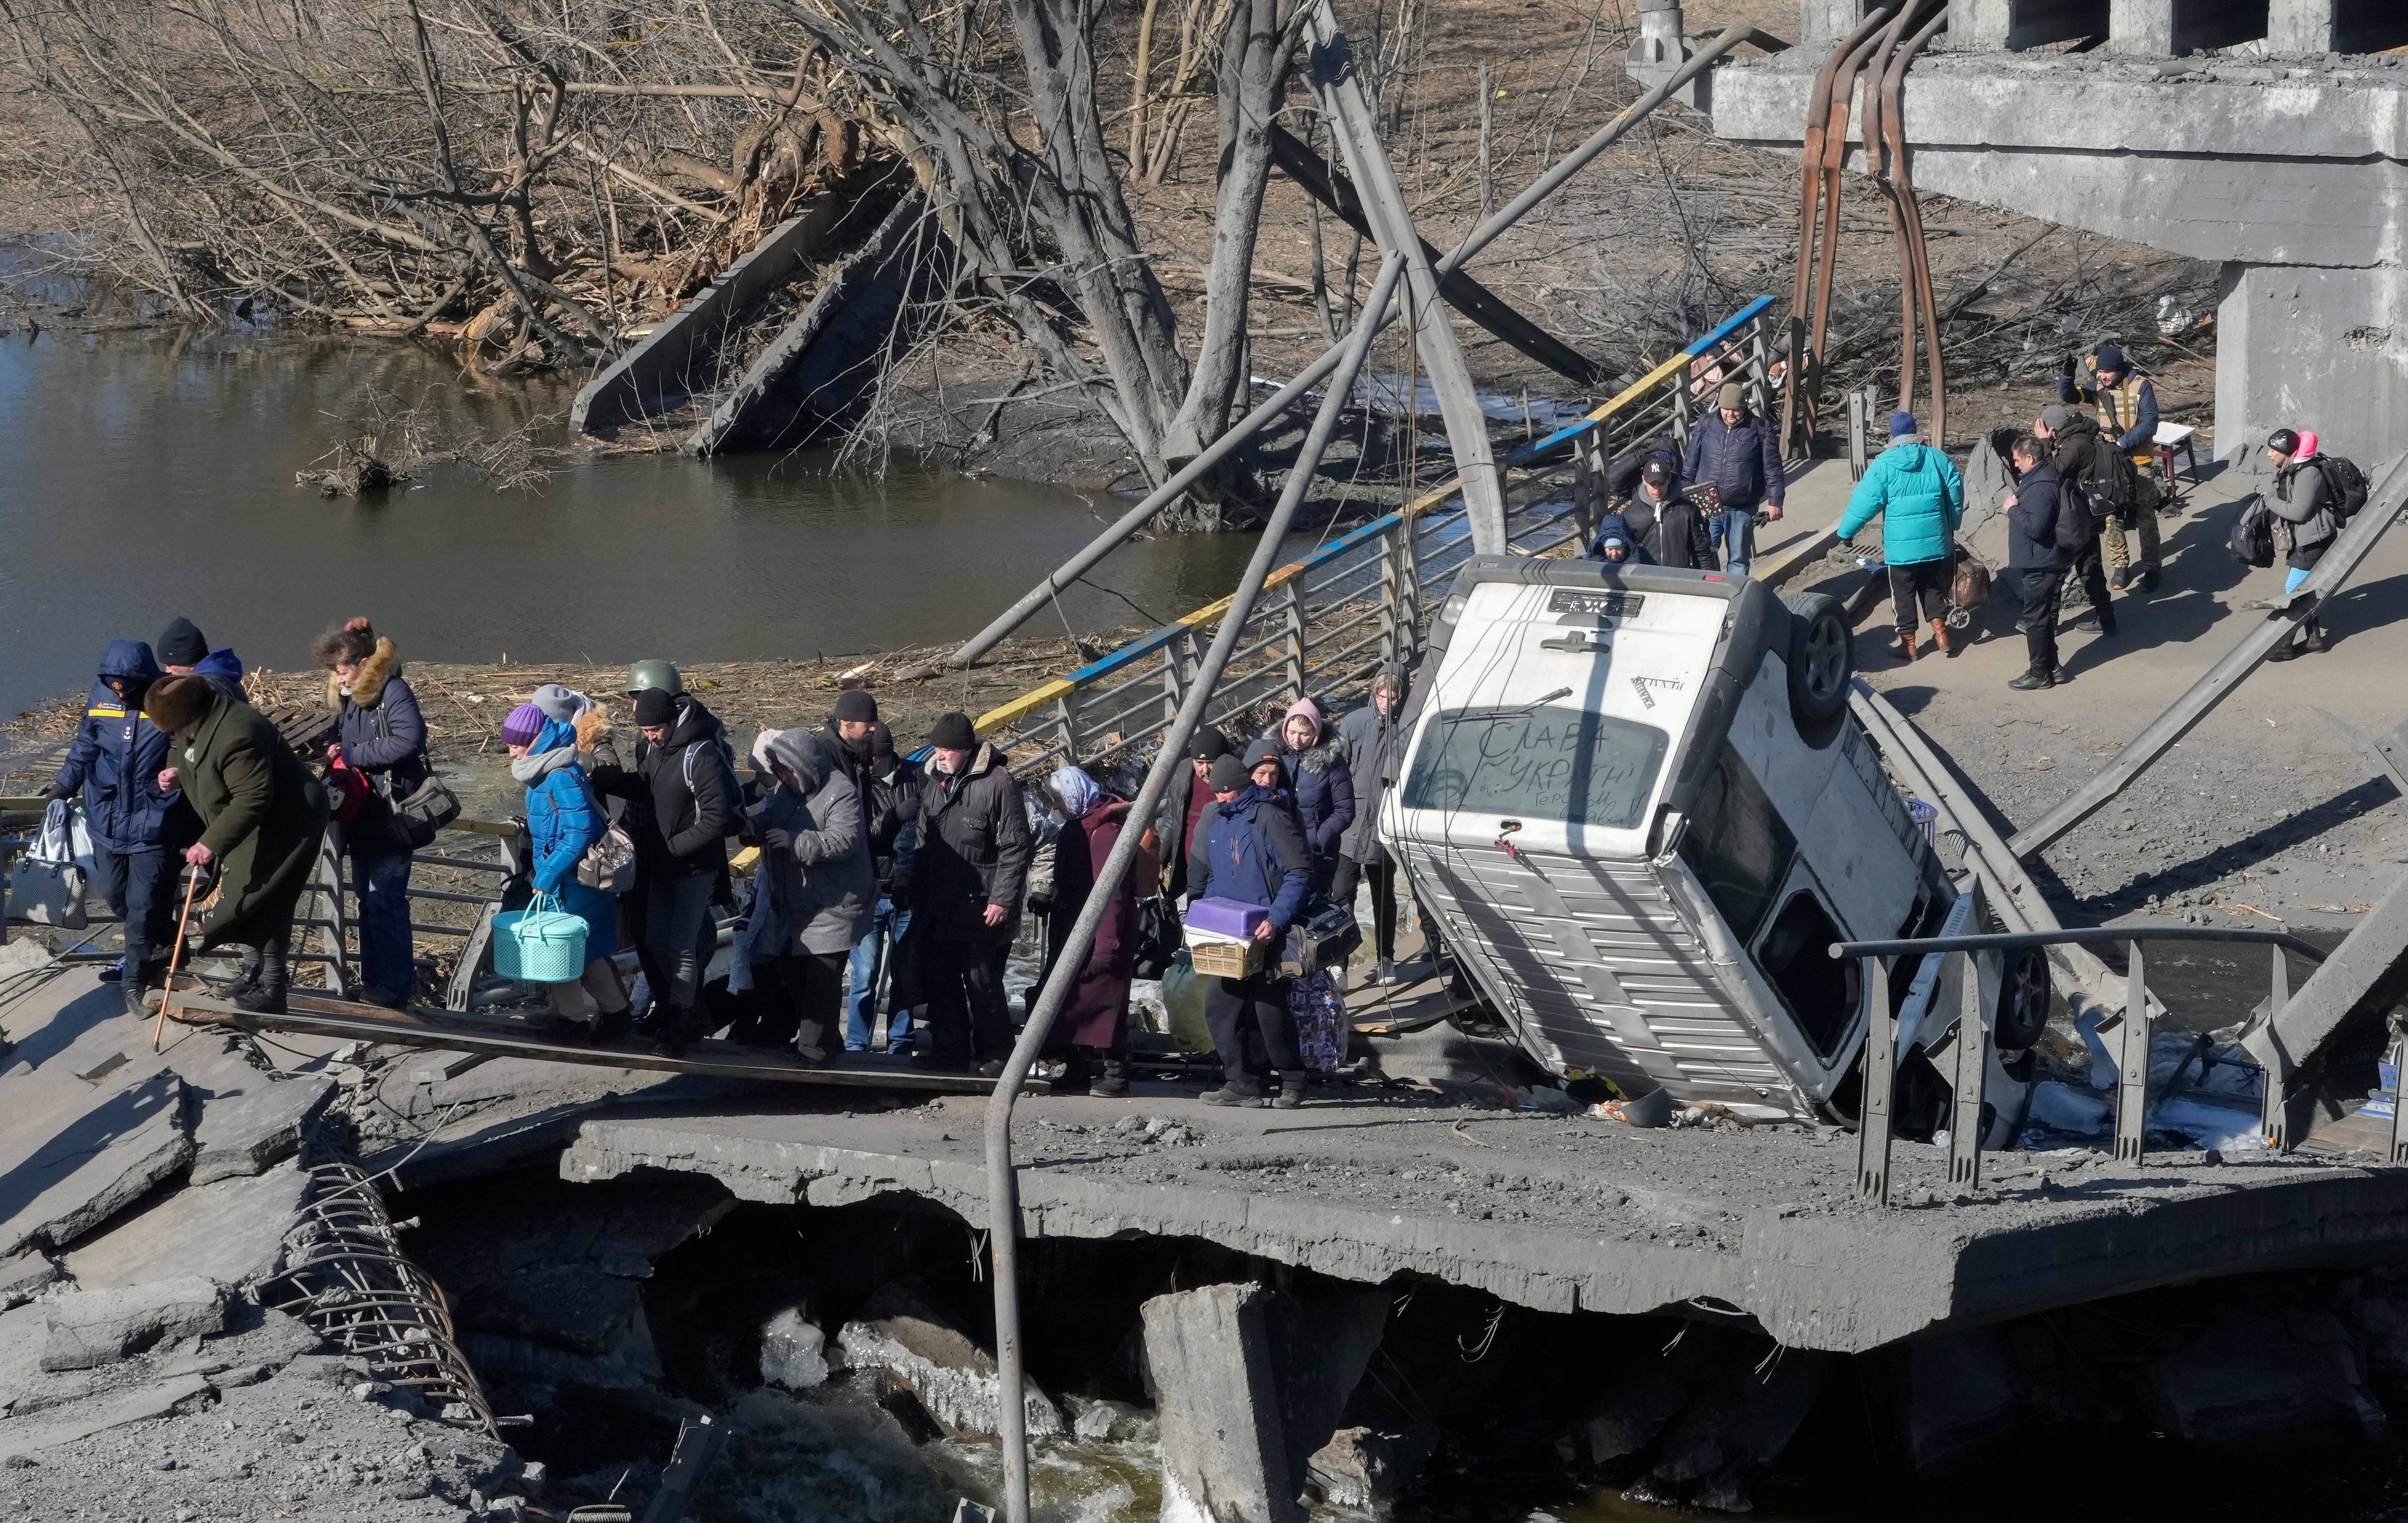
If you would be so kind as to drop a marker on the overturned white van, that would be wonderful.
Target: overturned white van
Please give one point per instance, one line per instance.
(1635, 806)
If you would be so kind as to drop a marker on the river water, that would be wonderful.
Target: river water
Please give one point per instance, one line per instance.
(150, 474)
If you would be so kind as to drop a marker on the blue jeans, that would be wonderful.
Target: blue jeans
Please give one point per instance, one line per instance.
(886, 929)
(1733, 533)
(388, 959)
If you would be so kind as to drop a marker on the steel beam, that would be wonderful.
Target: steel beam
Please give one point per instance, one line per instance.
(2357, 542)
(2362, 979)
(1337, 88)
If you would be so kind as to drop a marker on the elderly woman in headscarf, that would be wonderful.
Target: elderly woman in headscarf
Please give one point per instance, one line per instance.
(563, 820)
(813, 893)
(262, 814)
(1091, 1030)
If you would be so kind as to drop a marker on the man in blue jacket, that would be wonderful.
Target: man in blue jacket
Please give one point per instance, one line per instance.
(115, 762)
(1250, 850)
(1920, 498)
(1734, 452)
(2036, 559)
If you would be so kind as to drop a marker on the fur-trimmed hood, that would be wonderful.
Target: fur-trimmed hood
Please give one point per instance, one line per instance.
(375, 669)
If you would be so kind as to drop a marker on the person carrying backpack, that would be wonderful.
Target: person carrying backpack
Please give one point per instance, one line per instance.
(2304, 507)
(1251, 850)
(2037, 557)
(1920, 499)
(2077, 452)
(682, 773)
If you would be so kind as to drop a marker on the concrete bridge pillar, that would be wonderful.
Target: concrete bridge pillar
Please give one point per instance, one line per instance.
(2172, 28)
(2336, 26)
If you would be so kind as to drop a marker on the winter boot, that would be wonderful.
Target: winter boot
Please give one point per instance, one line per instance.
(246, 976)
(2314, 629)
(1940, 638)
(1115, 1082)
(2032, 679)
(267, 997)
(1075, 1078)
(132, 988)
(668, 1032)
(1237, 1090)
(1291, 1095)
(1903, 647)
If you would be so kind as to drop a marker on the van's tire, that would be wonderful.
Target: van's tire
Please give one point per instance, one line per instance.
(1822, 659)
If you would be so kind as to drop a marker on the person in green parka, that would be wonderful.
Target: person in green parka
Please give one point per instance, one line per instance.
(262, 814)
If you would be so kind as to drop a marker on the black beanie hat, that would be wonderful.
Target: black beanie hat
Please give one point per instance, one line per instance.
(1229, 774)
(855, 704)
(952, 731)
(182, 644)
(655, 706)
(1262, 750)
(1207, 745)
(881, 740)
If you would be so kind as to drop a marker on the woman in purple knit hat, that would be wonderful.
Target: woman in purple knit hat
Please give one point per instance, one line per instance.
(564, 820)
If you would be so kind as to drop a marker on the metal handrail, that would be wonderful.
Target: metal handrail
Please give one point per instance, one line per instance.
(1974, 1032)
(2077, 936)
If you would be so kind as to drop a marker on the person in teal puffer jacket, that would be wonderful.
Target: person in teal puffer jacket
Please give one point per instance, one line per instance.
(1921, 499)
(563, 819)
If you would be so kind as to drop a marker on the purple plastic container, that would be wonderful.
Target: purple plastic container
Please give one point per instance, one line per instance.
(1226, 917)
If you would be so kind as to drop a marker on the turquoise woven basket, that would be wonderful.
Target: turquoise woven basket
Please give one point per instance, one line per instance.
(541, 944)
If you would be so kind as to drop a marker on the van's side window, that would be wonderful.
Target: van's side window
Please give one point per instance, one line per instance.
(1819, 989)
(1737, 845)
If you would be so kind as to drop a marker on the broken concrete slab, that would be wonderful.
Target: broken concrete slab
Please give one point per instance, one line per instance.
(24, 1276)
(953, 1378)
(1224, 1453)
(1361, 1470)
(65, 1180)
(248, 1131)
(2253, 1375)
(91, 1328)
(231, 1231)
(100, 1414)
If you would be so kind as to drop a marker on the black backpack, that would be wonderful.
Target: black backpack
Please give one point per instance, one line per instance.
(2072, 531)
(2253, 535)
(2345, 486)
(2108, 480)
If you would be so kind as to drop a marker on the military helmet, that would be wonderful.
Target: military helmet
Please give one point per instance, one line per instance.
(645, 675)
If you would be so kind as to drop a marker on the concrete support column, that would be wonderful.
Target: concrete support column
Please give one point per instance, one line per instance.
(2303, 346)
(1823, 22)
(1223, 1451)
(2171, 28)
(2336, 26)
(1993, 24)
(1659, 34)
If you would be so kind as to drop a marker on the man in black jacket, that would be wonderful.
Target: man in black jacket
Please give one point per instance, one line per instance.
(2035, 559)
(890, 798)
(682, 773)
(847, 731)
(967, 880)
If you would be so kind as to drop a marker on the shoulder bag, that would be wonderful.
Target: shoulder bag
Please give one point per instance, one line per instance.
(432, 805)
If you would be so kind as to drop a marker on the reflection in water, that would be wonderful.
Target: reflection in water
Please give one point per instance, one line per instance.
(150, 474)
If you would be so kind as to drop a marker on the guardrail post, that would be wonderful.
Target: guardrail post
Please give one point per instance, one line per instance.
(334, 937)
(1759, 368)
(1406, 540)
(2275, 1116)
(1680, 384)
(1294, 617)
(1881, 1074)
(1066, 725)
(1173, 688)
(2132, 1087)
(2398, 1131)
(1588, 483)
(1392, 639)
(1973, 1077)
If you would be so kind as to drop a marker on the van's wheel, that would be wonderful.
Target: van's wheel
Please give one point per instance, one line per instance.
(1822, 659)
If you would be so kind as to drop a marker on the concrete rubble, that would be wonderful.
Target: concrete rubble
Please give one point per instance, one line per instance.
(952, 1377)
(88, 1328)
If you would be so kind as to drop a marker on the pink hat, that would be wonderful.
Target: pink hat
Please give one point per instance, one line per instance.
(2307, 446)
(525, 723)
(1307, 709)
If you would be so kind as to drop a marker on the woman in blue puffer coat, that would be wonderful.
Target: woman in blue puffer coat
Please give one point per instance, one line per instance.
(564, 820)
